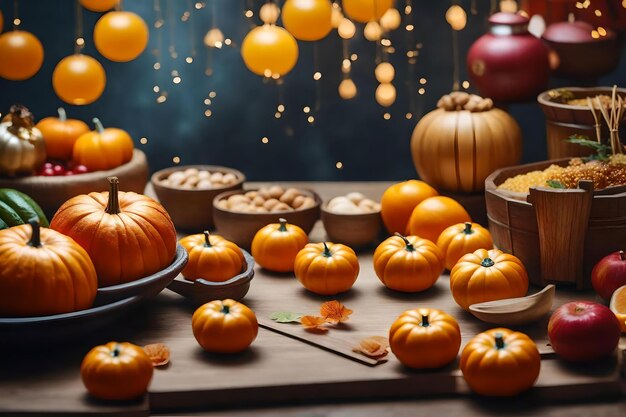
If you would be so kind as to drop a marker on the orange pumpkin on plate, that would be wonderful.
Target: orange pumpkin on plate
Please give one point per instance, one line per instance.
(276, 245)
(326, 268)
(224, 326)
(211, 257)
(461, 239)
(127, 235)
(60, 134)
(103, 149)
(398, 202)
(433, 215)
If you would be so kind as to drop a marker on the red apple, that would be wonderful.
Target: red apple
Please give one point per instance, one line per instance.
(583, 331)
(609, 274)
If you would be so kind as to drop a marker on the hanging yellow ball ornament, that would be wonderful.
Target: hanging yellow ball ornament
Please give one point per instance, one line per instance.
(384, 72)
(21, 55)
(456, 17)
(347, 89)
(269, 13)
(214, 38)
(372, 31)
(386, 94)
(120, 36)
(269, 50)
(346, 29)
(99, 5)
(365, 10)
(391, 20)
(336, 16)
(308, 20)
(78, 79)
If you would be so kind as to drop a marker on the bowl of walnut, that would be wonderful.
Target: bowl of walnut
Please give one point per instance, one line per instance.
(352, 219)
(239, 215)
(187, 193)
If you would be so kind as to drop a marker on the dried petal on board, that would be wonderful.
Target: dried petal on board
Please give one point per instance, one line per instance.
(313, 324)
(334, 312)
(158, 353)
(376, 347)
(286, 317)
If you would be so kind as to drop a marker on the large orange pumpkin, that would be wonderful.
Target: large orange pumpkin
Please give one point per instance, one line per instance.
(408, 264)
(60, 134)
(326, 268)
(224, 326)
(399, 200)
(116, 371)
(433, 215)
(127, 235)
(276, 245)
(103, 148)
(43, 272)
(458, 145)
(487, 275)
(500, 362)
(461, 239)
(425, 338)
(211, 257)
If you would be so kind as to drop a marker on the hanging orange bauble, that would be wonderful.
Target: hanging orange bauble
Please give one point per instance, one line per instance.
(99, 5)
(308, 20)
(78, 79)
(269, 50)
(21, 55)
(120, 36)
(364, 11)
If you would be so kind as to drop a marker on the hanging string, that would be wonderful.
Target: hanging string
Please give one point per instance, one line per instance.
(494, 7)
(119, 7)
(159, 22)
(411, 60)
(16, 15)
(79, 42)
(192, 39)
(172, 34)
(473, 8)
(456, 84)
(317, 77)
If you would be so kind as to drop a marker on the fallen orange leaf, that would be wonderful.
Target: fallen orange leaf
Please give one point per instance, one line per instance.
(334, 312)
(313, 323)
(158, 353)
(376, 347)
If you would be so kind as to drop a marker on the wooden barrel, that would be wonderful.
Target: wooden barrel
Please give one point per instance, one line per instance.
(558, 234)
(564, 120)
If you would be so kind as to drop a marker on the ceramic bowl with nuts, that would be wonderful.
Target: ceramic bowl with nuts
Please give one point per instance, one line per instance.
(353, 220)
(187, 192)
(240, 214)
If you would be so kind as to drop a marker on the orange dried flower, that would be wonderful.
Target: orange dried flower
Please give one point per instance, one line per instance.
(376, 347)
(313, 324)
(158, 353)
(334, 312)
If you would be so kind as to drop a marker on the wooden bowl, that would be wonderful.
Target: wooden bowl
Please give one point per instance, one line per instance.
(354, 230)
(202, 291)
(145, 287)
(51, 192)
(240, 227)
(191, 210)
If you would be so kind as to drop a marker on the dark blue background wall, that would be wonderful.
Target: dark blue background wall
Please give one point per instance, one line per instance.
(353, 132)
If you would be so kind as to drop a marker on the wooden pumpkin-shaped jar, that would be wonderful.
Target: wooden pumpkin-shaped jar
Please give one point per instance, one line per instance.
(326, 268)
(456, 146)
(211, 257)
(487, 275)
(22, 148)
(276, 245)
(43, 272)
(127, 235)
(408, 264)
(500, 362)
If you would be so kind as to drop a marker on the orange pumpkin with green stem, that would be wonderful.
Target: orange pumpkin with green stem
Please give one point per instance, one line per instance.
(103, 149)
(425, 338)
(407, 264)
(461, 239)
(326, 268)
(127, 235)
(211, 257)
(276, 245)
(60, 134)
(116, 371)
(224, 326)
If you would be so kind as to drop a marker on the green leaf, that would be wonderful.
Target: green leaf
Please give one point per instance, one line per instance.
(555, 184)
(286, 317)
(602, 151)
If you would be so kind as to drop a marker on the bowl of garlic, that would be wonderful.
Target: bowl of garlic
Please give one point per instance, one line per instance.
(353, 220)
(187, 193)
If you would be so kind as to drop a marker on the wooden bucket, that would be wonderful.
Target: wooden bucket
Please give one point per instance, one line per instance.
(564, 120)
(559, 234)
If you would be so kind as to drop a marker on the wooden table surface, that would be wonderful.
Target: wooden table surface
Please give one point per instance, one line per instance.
(296, 378)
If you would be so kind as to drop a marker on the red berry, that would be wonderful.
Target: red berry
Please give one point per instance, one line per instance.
(47, 172)
(47, 165)
(80, 169)
(70, 172)
(58, 170)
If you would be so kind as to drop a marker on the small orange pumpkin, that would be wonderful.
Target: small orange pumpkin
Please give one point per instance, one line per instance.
(487, 275)
(60, 134)
(500, 362)
(276, 245)
(326, 268)
(224, 326)
(399, 200)
(127, 235)
(211, 257)
(425, 338)
(116, 371)
(43, 272)
(433, 215)
(103, 148)
(408, 264)
(461, 239)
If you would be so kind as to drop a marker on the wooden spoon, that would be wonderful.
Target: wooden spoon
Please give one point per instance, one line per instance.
(519, 310)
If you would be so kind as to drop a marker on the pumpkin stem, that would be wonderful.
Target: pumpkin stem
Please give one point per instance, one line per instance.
(98, 124)
(327, 253)
(113, 205)
(225, 309)
(116, 351)
(62, 114)
(283, 225)
(20, 117)
(207, 237)
(499, 341)
(468, 228)
(409, 245)
(487, 262)
(622, 255)
(425, 322)
(35, 238)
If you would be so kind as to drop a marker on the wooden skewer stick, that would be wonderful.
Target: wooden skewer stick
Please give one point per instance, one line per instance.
(597, 125)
